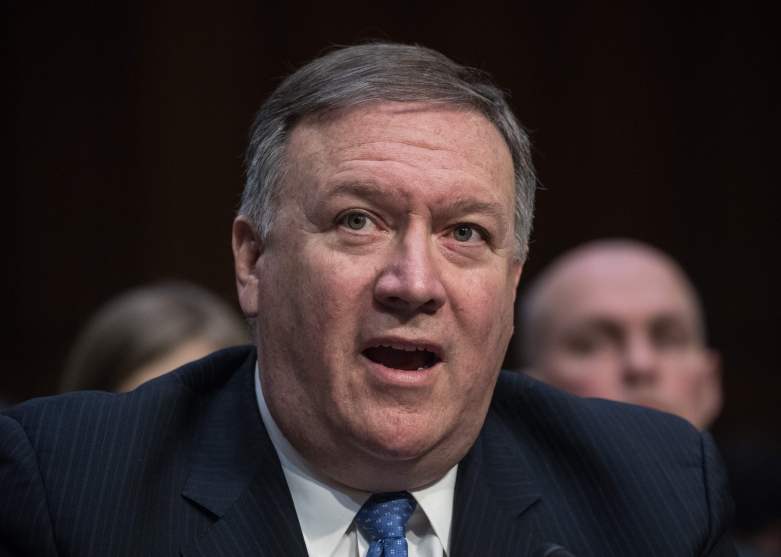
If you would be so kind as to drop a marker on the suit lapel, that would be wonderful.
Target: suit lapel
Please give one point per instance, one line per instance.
(495, 498)
(237, 478)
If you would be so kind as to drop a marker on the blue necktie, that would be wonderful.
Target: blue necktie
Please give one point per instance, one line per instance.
(383, 520)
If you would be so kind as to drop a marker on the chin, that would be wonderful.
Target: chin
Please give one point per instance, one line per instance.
(400, 443)
(400, 452)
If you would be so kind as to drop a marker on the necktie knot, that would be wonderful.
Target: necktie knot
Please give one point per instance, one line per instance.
(383, 520)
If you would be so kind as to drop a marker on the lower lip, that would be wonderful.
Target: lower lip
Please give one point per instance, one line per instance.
(401, 377)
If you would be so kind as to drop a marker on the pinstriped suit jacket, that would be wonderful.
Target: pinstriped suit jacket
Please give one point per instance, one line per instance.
(183, 466)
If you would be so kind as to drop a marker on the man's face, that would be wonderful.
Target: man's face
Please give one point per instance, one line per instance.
(384, 293)
(622, 325)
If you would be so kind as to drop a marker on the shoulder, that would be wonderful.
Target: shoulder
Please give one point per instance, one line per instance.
(527, 404)
(94, 420)
(74, 465)
(648, 467)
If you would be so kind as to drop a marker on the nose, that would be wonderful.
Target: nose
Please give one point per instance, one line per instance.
(411, 281)
(640, 361)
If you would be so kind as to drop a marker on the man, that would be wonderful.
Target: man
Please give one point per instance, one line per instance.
(381, 236)
(618, 319)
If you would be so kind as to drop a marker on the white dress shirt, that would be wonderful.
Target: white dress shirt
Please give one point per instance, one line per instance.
(326, 511)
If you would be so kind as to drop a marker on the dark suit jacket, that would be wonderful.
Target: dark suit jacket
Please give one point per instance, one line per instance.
(183, 465)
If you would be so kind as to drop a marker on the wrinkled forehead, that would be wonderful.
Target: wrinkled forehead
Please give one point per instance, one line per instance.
(438, 135)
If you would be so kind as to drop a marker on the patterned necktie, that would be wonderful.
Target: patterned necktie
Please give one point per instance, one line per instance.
(383, 520)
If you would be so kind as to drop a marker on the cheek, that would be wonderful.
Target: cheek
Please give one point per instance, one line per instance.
(314, 300)
(330, 295)
(315, 282)
(591, 375)
(682, 371)
(484, 305)
(483, 324)
(337, 287)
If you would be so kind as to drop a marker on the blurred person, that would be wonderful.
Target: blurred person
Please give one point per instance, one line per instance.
(382, 232)
(619, 319)
(147, 331)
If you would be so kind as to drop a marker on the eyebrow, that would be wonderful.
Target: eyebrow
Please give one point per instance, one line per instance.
(609, 326)
(492, 209)
(686, 324)
(604, 325)
(370, 190)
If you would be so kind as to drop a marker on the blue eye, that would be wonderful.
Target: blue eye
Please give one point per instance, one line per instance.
(355, 221)
(463, 233)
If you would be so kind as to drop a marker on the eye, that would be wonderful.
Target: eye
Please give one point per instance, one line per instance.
(671, 335)
(354, 220)
(583, 345)
(467, 233)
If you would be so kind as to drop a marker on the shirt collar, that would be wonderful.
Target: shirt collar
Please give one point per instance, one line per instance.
(325, 511)
(436, 500)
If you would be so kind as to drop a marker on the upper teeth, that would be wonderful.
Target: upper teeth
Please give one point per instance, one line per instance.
(405, 348)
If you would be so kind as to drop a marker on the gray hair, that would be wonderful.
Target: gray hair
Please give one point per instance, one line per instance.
(366, 73)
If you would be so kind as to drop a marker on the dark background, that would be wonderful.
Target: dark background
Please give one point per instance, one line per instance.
(128, 120)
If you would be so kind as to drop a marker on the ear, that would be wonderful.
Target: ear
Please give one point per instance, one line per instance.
(517, 271)
(711, 398)
(247, 248)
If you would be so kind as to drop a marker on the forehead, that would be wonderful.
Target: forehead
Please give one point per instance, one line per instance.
(622, 286)
(443, 141)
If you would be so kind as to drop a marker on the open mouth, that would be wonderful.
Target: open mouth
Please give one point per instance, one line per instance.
(407, 358)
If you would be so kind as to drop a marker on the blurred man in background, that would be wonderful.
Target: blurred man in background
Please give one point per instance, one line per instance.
(619, 319)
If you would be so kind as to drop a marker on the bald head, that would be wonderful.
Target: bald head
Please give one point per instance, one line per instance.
(607, 276)
(619, 319)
